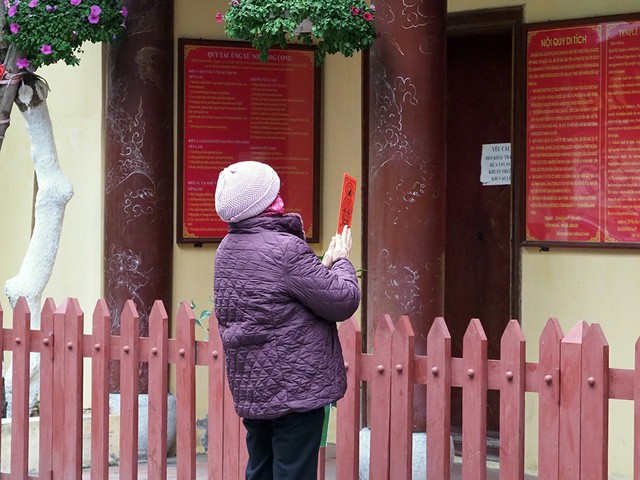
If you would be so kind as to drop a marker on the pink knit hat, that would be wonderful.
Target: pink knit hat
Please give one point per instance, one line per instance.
(245, 189)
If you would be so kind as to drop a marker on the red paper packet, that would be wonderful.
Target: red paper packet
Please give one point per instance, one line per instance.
(346, 202)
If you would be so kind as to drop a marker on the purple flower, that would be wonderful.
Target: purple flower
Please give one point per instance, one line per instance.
(46, 49)
(49, 8)
(15, 28)
(22, 63)
(75, 2)
(124, 12)
(373, 7)
(12, 11)
(95, 10)
(33, 3)
(93, 19)
(6, 3)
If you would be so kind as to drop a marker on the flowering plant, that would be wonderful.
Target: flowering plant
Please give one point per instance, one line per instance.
(343, 26)
(47, 31)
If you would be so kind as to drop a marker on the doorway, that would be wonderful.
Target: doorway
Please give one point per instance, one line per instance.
(482, 237)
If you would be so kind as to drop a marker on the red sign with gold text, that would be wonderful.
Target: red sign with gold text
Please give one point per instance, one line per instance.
(583, 134)
(237, 108)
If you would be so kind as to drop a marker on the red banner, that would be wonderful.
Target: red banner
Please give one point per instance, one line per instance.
(237, 108)
(583, 137)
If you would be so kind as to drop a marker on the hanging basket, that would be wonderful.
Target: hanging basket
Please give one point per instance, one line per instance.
(336, 26)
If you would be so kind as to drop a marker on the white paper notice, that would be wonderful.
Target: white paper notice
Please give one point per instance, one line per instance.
(496, 164)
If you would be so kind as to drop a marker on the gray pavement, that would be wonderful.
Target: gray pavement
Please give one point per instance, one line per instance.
(493, 472)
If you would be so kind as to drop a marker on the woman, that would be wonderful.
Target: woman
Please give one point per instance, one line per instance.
(277, 306)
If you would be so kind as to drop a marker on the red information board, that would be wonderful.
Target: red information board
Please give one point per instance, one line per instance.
(583, 134)
(233, 107)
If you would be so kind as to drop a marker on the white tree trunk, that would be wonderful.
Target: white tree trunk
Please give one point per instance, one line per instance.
(54, 191)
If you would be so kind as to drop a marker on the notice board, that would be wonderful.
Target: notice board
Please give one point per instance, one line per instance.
(233, 107)
(583, 133)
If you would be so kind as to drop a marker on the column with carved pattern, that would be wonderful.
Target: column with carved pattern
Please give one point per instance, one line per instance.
(405, 191)
(138, 207)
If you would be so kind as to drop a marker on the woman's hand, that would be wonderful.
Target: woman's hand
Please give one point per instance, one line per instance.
(327, 258)
(339, 247)
(343, 244)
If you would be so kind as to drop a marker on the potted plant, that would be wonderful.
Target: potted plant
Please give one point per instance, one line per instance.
(335, 26)
(46, 32)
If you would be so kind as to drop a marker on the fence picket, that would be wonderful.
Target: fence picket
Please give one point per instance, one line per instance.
(73, 355)
(158, 391)
(348, 408)
(380, 400)
(570, 393)
(58, 387)
(594, 409)
(549, 400)
(243, 453)
(129, 361)
(512, 364)
(232, 443)
(100, 356)
(2, 346)
(572, 378)
(215, 362)
(20, 392)
(438, 400)
(636, 413)
(45, 464)
(474, 403)
(400, 434)
(186, 392)
(321, 471)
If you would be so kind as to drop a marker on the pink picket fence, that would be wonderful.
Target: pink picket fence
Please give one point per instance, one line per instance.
(572, 380)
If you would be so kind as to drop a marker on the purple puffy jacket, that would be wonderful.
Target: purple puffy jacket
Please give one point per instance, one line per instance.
(277, 307)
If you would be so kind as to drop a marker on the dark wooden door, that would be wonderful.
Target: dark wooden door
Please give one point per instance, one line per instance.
(479, 241)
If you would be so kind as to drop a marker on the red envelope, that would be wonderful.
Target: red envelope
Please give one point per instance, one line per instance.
(346, 203)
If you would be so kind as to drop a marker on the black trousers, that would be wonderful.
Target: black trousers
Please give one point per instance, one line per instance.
(284, 448)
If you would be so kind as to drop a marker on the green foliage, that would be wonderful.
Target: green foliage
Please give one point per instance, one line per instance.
(338, 26)
(204, 315)
(47, 31)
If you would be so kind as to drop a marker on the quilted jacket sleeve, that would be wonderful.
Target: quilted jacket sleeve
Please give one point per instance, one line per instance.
(331, 294)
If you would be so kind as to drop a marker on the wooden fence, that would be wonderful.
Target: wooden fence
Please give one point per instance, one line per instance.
(572, 379)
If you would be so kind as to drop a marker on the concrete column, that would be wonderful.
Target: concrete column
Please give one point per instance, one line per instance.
(405, 195)
(138, 210)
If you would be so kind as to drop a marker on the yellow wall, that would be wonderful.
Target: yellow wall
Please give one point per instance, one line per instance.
(545, 10)
(75, 105)
(595, 285)
(590, 284)
(341, 152)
